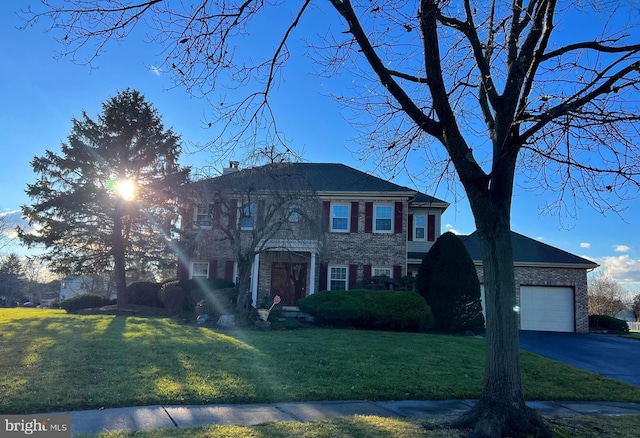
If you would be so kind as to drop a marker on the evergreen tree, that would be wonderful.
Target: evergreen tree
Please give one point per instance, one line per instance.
(106, 203)
(448, 282)
(11, 281)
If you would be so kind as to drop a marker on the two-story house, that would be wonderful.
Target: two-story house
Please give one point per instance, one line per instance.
(304, 227)
(292, 229)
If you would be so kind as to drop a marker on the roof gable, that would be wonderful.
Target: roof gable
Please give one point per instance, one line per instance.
(527, 251)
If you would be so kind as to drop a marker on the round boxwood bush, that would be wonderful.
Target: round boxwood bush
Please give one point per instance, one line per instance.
(86, 301)
(218, 294)
(172, 297)
(144, 293)
(369, 309)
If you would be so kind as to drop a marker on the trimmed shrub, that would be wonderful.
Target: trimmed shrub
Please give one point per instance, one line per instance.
(219, 302)
(381, 282)
(448, 281)
(369, 309)
(219, 294)
(86, 301)
(608, 323)
(408, 282)
(172, 296)
(144, 293)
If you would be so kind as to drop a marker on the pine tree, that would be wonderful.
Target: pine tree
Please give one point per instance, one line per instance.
(106, 202)
(448, 282)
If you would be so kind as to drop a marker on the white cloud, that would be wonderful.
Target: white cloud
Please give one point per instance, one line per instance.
(585, 245)
(449, 227)
(623, 269)
(10, 214)
(621, 248)
(155, 70)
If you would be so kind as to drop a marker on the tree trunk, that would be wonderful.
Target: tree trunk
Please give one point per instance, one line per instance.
(119, 268)
(244, 286)
(501, 410)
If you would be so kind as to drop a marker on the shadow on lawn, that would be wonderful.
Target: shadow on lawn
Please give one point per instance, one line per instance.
(69, 362)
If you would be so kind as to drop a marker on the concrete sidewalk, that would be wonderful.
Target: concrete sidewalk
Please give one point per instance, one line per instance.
(163, 417)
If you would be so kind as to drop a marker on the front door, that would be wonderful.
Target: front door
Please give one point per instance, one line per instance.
(289, 280)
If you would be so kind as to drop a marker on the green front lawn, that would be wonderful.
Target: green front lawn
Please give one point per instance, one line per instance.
(52, 361)
(377, 427)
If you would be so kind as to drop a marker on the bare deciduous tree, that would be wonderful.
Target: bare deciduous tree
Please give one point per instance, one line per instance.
(250, 212)
(497, 85)
(636, 306)
(606, 297)
(6, 230)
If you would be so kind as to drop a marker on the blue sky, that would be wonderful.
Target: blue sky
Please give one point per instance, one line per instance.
(40, 95)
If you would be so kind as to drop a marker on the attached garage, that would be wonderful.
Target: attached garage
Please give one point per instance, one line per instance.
(552, 284)
(544, 308)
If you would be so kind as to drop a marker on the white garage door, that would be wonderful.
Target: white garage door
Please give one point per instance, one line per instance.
(546, 308)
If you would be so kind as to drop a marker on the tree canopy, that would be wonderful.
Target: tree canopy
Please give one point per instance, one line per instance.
(106, 201)
(11, 281)
(498, 86)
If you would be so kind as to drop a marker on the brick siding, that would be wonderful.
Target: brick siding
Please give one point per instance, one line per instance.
(560, 277)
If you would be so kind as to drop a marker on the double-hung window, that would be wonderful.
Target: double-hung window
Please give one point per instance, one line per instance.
(419, 227)
(340, 218)
(337, 278)
(199, 270)
(202, 216)
(383, 219)
(248, 217)
(382, 272)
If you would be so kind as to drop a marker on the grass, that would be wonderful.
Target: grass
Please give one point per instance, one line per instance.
(377, 427)
(52, 361)
(632, 335)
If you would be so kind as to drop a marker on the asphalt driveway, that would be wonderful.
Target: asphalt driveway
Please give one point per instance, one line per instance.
(608, 355)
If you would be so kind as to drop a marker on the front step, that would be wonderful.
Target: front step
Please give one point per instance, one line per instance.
(294, 312)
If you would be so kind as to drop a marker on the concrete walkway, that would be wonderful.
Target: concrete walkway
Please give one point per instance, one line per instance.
(165, 417)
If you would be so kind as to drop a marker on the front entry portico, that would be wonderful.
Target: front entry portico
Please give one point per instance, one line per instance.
(288, 269)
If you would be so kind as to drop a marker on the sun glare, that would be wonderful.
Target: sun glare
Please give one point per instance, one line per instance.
(126, 190)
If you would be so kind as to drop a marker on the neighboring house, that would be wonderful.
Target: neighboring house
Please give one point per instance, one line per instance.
(85, 284)
(551, 284)
(626, 314)
(357, 226)
(46, 294)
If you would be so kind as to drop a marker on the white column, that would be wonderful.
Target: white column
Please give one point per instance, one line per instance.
(254, 280)
(312, 276)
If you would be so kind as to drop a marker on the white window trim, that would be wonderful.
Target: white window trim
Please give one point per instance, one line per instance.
(388, 268)
(192, 266)
(253, 215)
(415, 227)
(375, 217)
(340, 230)
(346, 279)
(197, 223)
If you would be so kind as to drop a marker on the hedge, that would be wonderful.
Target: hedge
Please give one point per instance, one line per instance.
(86, 301)
(608, 322)
(144, 293)
(369, 309)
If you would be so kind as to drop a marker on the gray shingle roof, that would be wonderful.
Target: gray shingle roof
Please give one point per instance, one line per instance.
(321, 177)
(528, 251)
